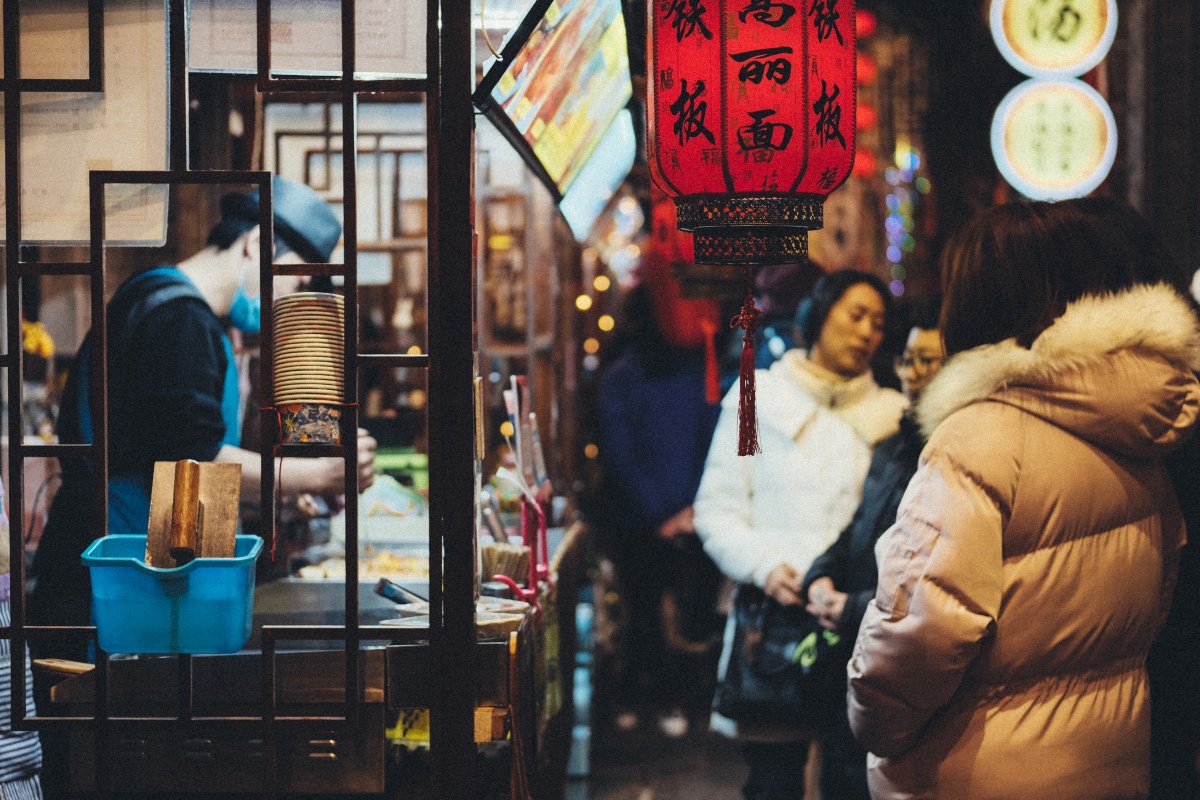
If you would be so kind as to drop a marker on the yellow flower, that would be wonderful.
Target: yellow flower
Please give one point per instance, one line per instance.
(37, 339)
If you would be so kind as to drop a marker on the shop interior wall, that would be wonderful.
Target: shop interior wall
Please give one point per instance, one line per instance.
(1162, 79)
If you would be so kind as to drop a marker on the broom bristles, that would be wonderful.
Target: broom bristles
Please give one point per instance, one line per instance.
(505, 559)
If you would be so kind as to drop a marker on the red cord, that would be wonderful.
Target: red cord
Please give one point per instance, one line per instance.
(278, 480)
(748, 319)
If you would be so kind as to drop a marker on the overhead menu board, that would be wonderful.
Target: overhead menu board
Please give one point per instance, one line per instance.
(600, 178)
(65, 135)
(562, 80)
(1059, 39)
(1054, 139)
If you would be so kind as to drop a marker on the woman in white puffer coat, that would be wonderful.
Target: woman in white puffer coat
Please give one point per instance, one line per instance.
(763, 519)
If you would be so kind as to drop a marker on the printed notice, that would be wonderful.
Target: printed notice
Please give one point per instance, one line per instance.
(65, 135)
(306, 37)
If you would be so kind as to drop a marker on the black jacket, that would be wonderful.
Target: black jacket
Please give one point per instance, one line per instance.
(850, 561)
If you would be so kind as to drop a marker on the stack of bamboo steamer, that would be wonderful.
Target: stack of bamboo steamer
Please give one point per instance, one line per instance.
(309, 349)
(309, 364)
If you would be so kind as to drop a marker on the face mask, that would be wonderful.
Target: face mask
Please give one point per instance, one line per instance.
(246, 312)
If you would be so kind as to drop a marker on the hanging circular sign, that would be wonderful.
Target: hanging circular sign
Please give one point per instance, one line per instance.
(1054, 38)
(1054, 139)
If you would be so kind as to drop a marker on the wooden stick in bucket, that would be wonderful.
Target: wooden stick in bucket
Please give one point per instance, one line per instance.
(185, 511)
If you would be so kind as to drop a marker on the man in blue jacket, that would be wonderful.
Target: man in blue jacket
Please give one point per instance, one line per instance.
(173, 391)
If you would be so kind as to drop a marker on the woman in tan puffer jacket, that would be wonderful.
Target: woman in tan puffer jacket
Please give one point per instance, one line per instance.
(1035, 550)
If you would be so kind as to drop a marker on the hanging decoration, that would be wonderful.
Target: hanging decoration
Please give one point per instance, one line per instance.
(684, 321)
(751, 125)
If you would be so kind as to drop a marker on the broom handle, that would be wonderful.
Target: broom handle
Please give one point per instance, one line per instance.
(185, 509)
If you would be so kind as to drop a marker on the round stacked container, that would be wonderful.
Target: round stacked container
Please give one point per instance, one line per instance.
(309, 366)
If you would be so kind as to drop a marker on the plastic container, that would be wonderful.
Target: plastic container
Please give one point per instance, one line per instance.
(202, 607)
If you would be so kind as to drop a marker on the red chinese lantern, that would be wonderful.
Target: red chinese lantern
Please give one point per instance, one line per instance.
(865, 23)
(867, 116)
(751, 125)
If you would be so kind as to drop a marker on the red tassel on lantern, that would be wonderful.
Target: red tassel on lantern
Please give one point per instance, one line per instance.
(748, 319)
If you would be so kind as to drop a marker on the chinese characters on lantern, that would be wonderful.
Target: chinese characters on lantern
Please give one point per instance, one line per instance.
(774, 14)
(828, 178)
(687, 17)
(762, 65)
(825, 19)
(730, 104)
(763, 135)
(829, 116)
(689, 113)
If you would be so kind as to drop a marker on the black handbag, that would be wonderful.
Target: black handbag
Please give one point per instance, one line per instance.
(785, 669)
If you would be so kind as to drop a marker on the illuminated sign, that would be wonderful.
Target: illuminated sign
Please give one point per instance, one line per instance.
(1054, 38)
(565, 87)
(1054, 139)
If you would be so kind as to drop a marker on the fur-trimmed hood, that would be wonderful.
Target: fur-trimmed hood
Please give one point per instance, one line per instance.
(1114, 369)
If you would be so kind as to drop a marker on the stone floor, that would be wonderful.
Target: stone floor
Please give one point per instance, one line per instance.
(646, 765)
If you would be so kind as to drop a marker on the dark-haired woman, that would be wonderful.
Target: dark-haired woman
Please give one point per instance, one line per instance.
(764, 519)
(841, 581)
(1034, 554)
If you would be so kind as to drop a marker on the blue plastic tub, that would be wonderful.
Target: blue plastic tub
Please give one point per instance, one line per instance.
(201, 607)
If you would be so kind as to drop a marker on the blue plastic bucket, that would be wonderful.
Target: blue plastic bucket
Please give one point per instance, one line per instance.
(205, 606)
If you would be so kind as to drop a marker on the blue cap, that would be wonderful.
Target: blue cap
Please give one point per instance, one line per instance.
(303, 220)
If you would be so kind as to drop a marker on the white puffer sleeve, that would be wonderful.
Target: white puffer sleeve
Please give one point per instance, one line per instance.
(724, 505)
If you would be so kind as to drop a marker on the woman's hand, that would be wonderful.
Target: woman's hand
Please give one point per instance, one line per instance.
(783, 585)
(682, 524)
(826, 603)
(323, 476)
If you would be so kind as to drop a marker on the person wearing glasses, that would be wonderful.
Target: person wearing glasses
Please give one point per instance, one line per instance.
(841, 581)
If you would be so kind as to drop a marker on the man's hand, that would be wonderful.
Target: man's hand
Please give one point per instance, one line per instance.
(682, 524)
(826, 603)
(324, 476)
(330, 473)
(366, 459)
(783, 585)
